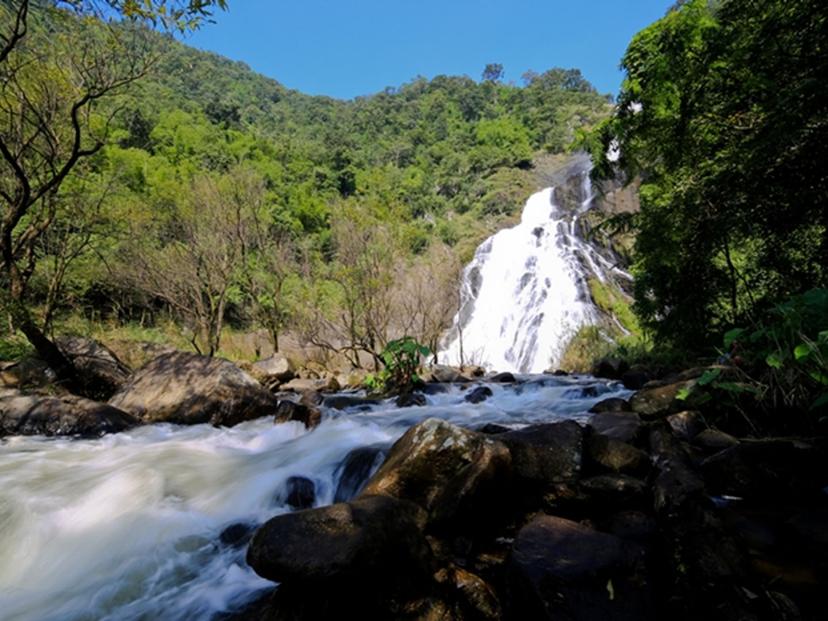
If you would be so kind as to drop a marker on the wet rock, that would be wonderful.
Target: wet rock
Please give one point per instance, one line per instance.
(635, 379)
(658, 401)
(614, 489)
(609, 454)
(101, 372)
(478, 395)
(622, 426)
(274, 370)
(435, 388)
(355, 470)
(634, 525)
(310, 398)
(447, 375)
(613, 404)
(784, 467)
(453, 473)
(411, 399)
(503, 378)
(492, 429)
(287, 411)
(560, 569)
(344, 402)
(610, 368)
(686, 425)
(301, 492)
(68, 415)
(547, 453)
(474, 371)
(677, 484)
(353, 542)
(238, 534)
(188, 389)
(475, 598)
(714, 440)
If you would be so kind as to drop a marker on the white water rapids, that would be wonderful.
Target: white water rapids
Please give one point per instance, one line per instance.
(127, 527)
(525, 294)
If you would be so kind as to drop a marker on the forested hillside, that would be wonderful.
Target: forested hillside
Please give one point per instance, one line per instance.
(222, 197)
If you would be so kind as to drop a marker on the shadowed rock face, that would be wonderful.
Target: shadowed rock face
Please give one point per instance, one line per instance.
(189, 389)
(60, 416)
(548, 453)
(101, 372)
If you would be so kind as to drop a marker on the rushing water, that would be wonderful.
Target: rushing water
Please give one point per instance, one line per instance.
(127, 527)
(525, 294)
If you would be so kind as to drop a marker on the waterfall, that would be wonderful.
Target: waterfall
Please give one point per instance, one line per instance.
(526, 293)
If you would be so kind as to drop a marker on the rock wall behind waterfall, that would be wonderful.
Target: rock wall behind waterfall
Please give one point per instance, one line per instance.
(527, 291)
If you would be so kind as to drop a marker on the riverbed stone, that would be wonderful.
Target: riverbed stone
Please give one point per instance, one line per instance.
(345, 402)
(411, 399)
(286, 411)
(453, 473)
(478, 394)
(546, 453)
(503, 378)
(659, 401)
(274, 370)
(355, 470)
(560, 569)
(300, 492)
(686, 425)
(612, 404)
(66, 415)
(447, 375)
(354, 541)
(188, 389)
(607, 453)
(622, 426)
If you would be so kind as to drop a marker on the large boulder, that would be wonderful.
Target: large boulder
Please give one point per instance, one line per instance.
(100, 371)
(547, 453)
(67, 415)
(354, 471)
(622, 426)
(659, 401)
(309, 415)
(188, 389)
(612, 404)
(560, 569)
(358, 541)
(451, 472)
(610, 454)
(274, 370)
(447, 375)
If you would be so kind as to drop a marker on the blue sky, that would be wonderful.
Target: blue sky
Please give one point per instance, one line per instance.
(347, 48)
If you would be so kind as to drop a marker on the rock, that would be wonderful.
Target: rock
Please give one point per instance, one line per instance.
(310, 398)
(714, 440)
(473, 370)
(238, 534)
(28, 372)
(492, 429)
(188, 389)
(560, 569)
(610, 368)
(811, 530)
(614, 489)
(276, 369)
(355, 471)
(287, 411)
(659, 401)
(478, 395)
(686, 425)
(547, 453)
(448, 375)
(610, 454)
(634, 525)
(67, 415)
(477, 599)
(503, 378)
(357, 541)
(635, 379)
(622, 426)
(301, 492)
(326, 384)
(435, 388)
(344, 402)
(677, 485)
(100, 371)
(613, 404)
(781, 467)
(411, 399)
(453, 473)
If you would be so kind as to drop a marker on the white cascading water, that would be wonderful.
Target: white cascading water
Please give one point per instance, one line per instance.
(128, 527)
(525, 294)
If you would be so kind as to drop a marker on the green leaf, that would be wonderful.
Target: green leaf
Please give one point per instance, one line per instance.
(733, 335)
(683, 394)
(803, 350)
(708, 376)
(774, 360)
